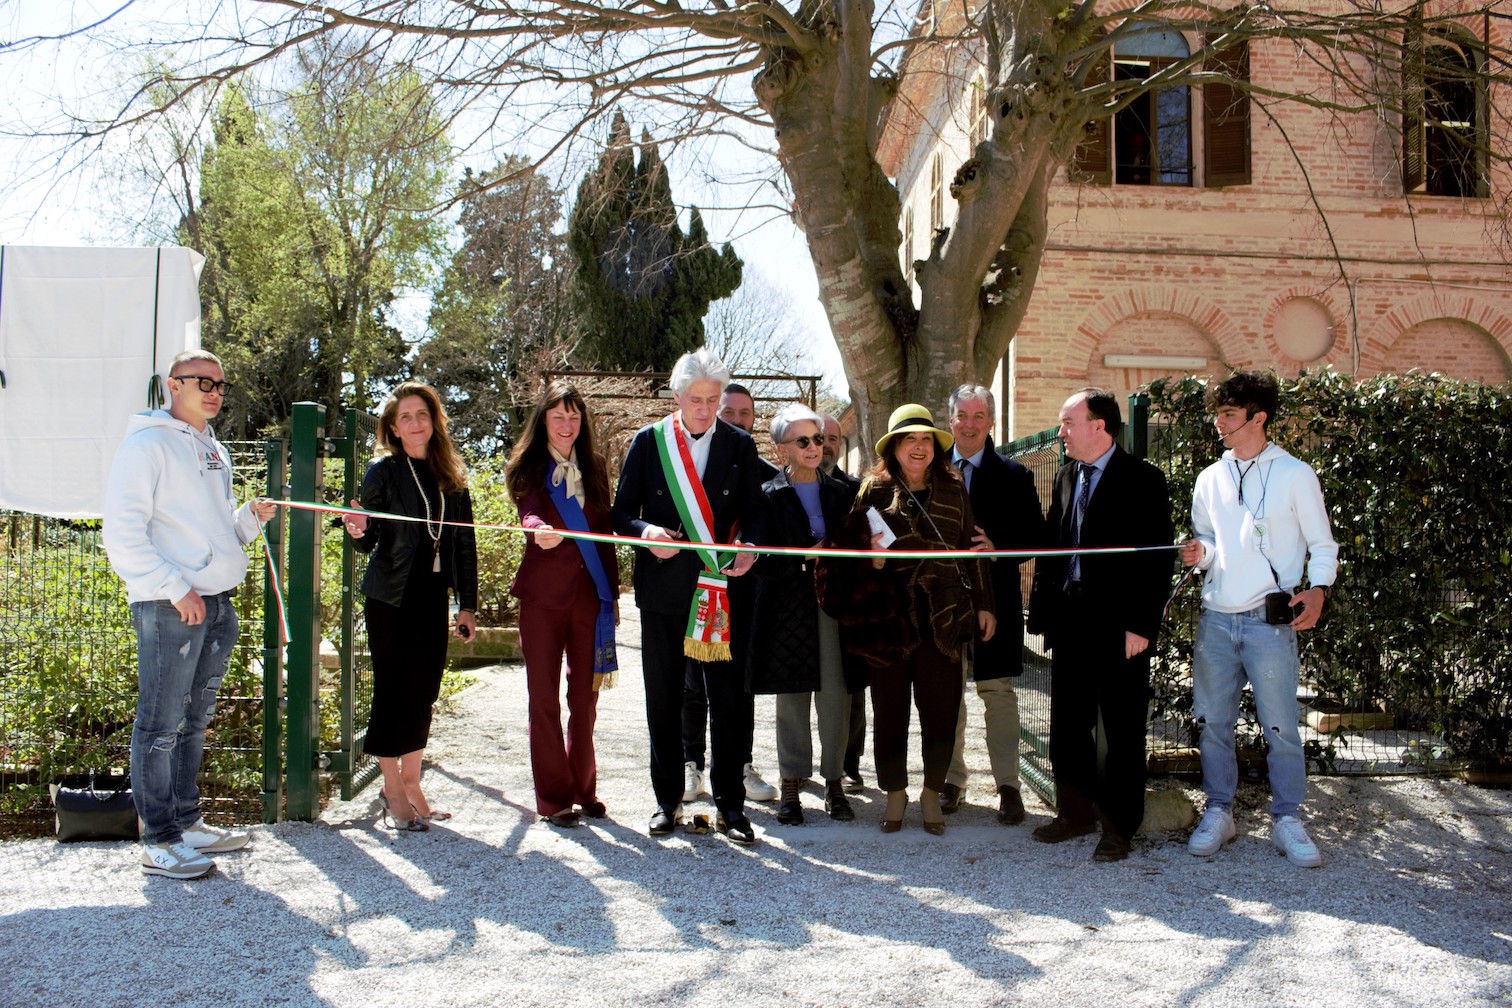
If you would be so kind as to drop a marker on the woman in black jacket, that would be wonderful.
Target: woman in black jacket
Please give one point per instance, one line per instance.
(412, 568)
(795, 648)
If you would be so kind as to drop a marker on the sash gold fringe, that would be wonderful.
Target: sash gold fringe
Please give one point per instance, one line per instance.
(605, 680)
(706, 651)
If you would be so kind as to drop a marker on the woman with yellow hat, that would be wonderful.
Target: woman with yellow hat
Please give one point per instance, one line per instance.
(941, 604)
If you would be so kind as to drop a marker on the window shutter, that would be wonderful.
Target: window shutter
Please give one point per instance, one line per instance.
(1414, 128)
(1092, 161)
(1226, 118)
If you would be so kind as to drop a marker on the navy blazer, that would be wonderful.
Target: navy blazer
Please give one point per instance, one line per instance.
(1007, 507)
(732, 480)
(1129, 507)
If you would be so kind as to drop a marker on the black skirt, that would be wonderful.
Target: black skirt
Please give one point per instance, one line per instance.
(408, 645)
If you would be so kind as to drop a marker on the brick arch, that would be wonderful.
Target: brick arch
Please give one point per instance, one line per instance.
(1460, 305)
(1338, 355)
(1234, 347)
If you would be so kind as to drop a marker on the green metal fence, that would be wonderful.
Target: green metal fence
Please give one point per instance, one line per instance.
(68, 669)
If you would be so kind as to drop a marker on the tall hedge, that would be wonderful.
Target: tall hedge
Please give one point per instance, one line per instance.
(1417, 474)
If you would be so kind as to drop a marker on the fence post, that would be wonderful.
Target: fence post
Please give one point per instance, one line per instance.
(273, 653)
(1137, 437)
(305, 483)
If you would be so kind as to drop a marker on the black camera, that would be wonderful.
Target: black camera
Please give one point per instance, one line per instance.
(1278, 609)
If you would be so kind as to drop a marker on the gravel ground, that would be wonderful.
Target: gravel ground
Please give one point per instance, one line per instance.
(1413, 905)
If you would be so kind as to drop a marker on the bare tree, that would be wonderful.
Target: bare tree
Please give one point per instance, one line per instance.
(755, 329)
(809, 82)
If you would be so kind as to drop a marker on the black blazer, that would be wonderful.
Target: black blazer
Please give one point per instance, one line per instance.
(784, 655)
(1006, 506)
(388, 486)
(732, 481)
(1130, 507)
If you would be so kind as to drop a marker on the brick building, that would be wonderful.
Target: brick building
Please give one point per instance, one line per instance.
(1185, 237)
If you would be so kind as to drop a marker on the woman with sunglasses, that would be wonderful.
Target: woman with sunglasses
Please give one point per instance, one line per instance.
(795, 648)
(412, 568)
(569, 597)
(910, 618)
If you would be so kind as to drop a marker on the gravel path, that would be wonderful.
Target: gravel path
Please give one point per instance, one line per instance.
(1413, 905)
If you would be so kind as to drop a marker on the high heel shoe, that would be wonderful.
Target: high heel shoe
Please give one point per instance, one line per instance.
(897, 803)
(929, 800)
(419, 824)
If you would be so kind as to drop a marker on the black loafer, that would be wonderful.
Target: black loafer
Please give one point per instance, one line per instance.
(950, 798)
(1010, 807)
(1059, 829)
(663, 823)
(1111, 847)
(738, 829)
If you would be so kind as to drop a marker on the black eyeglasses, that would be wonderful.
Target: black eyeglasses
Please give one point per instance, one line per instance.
(803, 440)
(206, 383)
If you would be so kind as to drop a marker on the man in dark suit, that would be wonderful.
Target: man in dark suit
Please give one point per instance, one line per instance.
(1008, 516)
(1100, 614)
(735, 407)
(666, 579)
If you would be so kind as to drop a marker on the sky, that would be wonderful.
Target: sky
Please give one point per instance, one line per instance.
(49, 201)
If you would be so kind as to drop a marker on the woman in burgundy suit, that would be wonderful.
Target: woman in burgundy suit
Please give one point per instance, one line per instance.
(569, 597)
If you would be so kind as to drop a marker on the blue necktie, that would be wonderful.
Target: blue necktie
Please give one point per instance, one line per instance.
(1083, 494)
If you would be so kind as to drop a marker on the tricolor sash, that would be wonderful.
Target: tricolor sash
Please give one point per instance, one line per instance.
(708, 634)
(605, 656)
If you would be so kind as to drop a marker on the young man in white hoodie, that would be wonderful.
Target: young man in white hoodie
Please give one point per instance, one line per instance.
(1258, 519)
(175, 536)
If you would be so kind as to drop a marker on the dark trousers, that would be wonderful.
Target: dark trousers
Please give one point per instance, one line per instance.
(935, 682)
(665, 668)
(1089, 676)
(564, 769)
(695, 715)
(855, 741)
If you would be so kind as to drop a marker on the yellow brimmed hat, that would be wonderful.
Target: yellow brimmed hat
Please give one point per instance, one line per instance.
(913, 417)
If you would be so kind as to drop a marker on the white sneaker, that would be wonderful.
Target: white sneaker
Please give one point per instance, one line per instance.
(176, 860)
(694, 782)
(1291, 839)
(757, 789)
(204, 837)
(1215, 830)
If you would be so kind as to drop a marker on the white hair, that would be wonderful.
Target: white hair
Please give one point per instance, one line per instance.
(698, 365)
(969, 391)
(791, 414)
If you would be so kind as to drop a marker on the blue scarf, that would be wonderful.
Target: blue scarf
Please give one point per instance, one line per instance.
(605, 659)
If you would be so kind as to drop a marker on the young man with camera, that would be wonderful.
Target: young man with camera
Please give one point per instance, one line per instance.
(1257, 519)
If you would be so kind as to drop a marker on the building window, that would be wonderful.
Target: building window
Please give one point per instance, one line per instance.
(936, 192)
(908, 251)
(1444, 138)
(1151, 138)
(976, 102)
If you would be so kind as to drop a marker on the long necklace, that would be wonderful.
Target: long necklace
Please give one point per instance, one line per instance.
(435, 537)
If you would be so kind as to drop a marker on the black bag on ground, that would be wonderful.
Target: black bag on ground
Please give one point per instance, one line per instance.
(91, 807)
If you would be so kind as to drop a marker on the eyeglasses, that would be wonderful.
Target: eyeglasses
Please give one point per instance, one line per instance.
(803, 441)
(206, 383)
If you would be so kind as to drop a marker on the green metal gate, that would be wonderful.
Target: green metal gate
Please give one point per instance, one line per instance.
(322, 691)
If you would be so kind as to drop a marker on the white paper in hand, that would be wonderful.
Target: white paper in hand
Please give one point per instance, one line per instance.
(879, 527)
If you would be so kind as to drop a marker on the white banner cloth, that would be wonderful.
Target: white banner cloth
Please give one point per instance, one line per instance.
(82, 332)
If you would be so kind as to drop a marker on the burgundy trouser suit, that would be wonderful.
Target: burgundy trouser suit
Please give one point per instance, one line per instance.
(565, 770)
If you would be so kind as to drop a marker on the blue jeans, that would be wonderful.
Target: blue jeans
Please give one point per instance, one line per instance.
(1233, 648)
(179, 670)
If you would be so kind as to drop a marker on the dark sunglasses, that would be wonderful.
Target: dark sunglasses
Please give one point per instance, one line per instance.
(803, 440)
(206, 384)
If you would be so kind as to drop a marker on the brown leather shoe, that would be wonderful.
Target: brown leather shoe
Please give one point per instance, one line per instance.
(950, 798)
(1111, 847)
(1010, 806)
(1059, 829)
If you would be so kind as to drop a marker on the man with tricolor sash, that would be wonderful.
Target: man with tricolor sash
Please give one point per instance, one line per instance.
(690, 477)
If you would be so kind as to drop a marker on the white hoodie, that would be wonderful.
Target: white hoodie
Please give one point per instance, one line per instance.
(1282, 523)
(171, 523)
